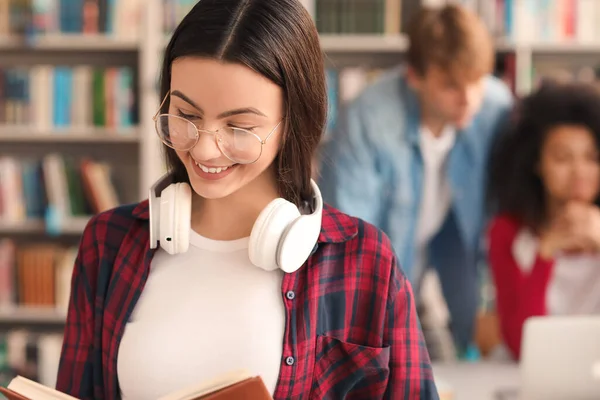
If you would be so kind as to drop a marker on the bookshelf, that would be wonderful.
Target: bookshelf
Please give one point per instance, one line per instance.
(40, 250)
(131, 150)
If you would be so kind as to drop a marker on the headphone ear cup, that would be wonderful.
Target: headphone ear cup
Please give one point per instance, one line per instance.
(270, 226)
(297, 243)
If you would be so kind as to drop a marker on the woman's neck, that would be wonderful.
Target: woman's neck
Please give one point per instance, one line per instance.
(232, 217)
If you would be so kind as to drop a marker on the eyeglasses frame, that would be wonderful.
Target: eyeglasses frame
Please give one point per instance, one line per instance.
(158, 114)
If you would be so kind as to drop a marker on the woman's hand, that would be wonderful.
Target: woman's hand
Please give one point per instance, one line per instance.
(583, 221)
(559, 240)
(575, 229)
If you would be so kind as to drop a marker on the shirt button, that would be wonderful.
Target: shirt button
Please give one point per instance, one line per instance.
(290, 295)
(290, 361)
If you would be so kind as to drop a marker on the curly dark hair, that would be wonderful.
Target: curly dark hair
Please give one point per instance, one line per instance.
(515, 188)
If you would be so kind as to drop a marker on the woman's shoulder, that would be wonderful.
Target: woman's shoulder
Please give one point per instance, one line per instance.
(115, 221)
(356, 243)
(504, 224)
(508, 232)
(353, 232)
(103, 237)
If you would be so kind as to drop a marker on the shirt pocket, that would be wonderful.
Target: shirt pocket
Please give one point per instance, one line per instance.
(345, 371)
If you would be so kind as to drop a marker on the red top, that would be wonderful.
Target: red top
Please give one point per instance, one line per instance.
(351, 325)
(519, 295)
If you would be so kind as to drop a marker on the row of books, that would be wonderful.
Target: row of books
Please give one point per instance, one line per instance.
(42, 17)
(538, 20)
(516, 19)
(32, 355)
(35, 276)
(53, 97)
(552, 20)
(56, 189)
(358, 16)
(331, 16)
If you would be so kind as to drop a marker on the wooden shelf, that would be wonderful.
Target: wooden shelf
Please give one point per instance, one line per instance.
(74, 226)
(72, 135)
(562, 47)
(25, 315)
(333, 43)
(69, 42)
(363, 43)
(348, 43)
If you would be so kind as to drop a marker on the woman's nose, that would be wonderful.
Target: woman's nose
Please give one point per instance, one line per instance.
(206, 148)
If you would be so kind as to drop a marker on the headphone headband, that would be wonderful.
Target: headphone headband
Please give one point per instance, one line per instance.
(154, 207)
(317, 197)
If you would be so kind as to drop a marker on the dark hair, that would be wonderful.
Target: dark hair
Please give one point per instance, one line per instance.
(515, 188)
(451, 37)
(278, 39)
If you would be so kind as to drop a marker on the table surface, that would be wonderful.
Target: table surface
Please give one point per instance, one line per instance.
(477, 380)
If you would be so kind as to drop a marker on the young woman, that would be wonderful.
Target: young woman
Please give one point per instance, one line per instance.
(544, 243)
(244, 107)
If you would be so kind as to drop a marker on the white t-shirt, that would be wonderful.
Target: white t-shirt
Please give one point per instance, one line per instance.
(202, 313)
(436, 195)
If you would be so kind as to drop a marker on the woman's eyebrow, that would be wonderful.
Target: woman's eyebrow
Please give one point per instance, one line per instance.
(226, 114)
(183, 97)
(246, 110)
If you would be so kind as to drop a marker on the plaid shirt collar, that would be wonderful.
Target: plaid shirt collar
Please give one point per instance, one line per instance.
(336, 227)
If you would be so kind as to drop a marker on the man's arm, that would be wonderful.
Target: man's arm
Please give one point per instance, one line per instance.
(349, 179)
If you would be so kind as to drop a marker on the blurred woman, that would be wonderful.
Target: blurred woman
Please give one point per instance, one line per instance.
(545, 238)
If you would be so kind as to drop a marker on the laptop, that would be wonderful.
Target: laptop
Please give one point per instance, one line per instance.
(560, 358)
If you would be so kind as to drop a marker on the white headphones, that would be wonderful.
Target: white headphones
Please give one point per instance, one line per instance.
(281, 237)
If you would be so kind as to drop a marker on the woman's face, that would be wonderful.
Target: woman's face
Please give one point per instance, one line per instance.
(217, 95)
(569, 164)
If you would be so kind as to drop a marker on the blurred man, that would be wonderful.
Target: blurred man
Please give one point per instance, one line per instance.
(409, 155)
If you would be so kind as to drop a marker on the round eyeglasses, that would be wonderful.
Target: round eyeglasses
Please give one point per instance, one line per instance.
(239, 145)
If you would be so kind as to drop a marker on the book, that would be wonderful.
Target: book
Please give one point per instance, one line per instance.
(236, 385)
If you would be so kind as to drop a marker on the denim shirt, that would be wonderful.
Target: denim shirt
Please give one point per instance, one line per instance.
(372, 168)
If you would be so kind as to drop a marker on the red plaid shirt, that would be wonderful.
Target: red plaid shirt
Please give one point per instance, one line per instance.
(351, 327)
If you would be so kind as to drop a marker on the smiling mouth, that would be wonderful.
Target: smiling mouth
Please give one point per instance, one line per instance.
(212, 170)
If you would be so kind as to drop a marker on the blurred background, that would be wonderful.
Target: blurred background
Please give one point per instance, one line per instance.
(78, 89)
